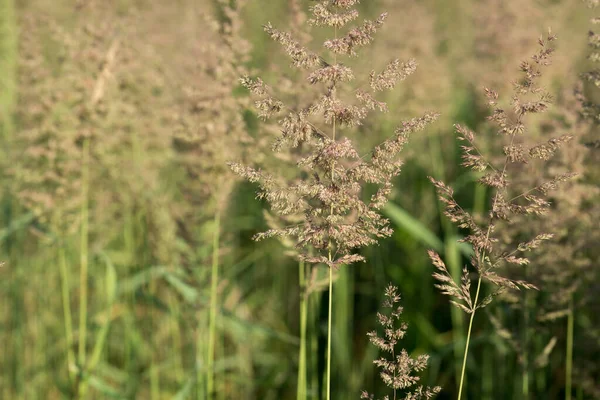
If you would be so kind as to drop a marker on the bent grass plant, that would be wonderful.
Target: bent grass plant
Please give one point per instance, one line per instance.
(336, 220)
(508, 200)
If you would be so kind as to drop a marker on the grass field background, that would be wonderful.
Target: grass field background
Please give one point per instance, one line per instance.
(107, 240)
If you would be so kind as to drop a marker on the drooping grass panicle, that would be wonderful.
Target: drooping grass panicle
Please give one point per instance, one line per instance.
(498, 173)
(510, 199)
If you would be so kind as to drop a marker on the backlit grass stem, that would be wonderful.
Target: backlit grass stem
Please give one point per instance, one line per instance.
(212, 327)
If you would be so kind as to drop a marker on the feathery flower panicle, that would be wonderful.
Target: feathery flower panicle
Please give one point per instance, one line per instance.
(398, 368)
(336, 221)
(211, 125)
(509, 200)
(96, 88)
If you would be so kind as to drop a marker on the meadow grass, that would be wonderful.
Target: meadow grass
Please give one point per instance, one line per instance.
(100, 312)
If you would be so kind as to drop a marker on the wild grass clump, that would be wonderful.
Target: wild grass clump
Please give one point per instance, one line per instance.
(491, 255)
(129, 266)
(76, 166)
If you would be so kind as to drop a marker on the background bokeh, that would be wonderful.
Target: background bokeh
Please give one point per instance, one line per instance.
(117, 119)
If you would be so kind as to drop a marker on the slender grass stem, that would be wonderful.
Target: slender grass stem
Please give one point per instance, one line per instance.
(329, 318)
(525, 372)
(464, 365)
(314, 303)
(83, 277)
(201, 347)
(328, 393)
(569, 366)
(212, 326)
(66, 300)
(301, 391)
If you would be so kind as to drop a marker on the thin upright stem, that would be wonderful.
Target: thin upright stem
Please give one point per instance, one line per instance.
(525, 372)
(569, 366)
(464, 366)
(83, 276)
(210, 379)
(394, 378)
(66, 300)
(329, 318)
(301, 391)
(328, 395)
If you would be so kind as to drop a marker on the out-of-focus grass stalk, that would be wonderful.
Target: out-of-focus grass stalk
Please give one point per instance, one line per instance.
(66, 300)
(8, 65)
(314, 302)
(343, 319)
(329, 319)
(83, 277)
(301, 390)
(176, 336)
(569, 364)
(540, 375)
(201, 370)
(223, 390)
(525, 355)
(102, 335)
(212, 325)
(154, 379)
(154, 367)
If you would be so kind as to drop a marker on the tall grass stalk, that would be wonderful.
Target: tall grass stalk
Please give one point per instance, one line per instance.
(302, 365)
(329, 315)
(201, 359)
(314, 303)
(328, 378)
(569, 363)
(66, 300)
(83, 277)
(526, 338)
(212, 327)
(464, 364)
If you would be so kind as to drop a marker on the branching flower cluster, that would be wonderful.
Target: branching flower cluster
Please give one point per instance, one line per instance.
(336, 220)
(509, 200)
(398, 372)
